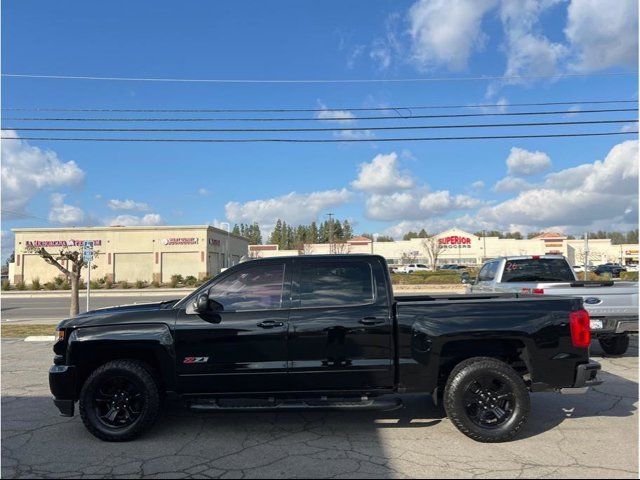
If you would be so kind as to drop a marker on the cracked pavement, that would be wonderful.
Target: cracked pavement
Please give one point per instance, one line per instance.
(572, 436)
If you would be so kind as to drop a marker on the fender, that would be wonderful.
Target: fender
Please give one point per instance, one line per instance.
(153, 343)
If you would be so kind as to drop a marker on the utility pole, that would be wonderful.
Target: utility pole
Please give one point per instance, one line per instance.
(586, 256)
(331, 249)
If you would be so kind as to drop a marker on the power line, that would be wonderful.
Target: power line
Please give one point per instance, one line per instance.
(309, 119)
(321, 129)
(307, 81)
(20, 215)
(310, 110)
(321, 140)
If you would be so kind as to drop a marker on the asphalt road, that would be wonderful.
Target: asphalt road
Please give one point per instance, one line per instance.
(52, 310)
(572, 436)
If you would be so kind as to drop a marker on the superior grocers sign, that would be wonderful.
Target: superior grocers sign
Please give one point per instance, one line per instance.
(455, 241)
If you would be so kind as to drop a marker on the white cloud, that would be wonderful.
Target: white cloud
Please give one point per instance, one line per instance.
(477, 185)
(524, 162)
(418, 204)
(528, 51)
(204, 192)
(343, 116)
(294, 207)
(578, 196)
(603, 33)
(27, 170)
(511, 184)
(382, 175)
(63, 213)
(150, 219)
(115, 204)
(446, 32)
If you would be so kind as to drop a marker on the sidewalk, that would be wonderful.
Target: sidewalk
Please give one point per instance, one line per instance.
(181, 292)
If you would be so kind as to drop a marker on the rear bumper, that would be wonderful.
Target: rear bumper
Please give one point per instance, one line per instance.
(62, 382)
(586, 376)
(613, 325)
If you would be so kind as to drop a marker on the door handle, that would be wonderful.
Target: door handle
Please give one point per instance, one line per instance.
(270, 324)
(371, 321)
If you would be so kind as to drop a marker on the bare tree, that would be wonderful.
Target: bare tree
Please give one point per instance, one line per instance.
(433, 248)
(341, 247)
(305, 249)
(409, 257)
(71, 258)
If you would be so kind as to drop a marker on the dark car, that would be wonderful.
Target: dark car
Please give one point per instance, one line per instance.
(611, 269)
(317, 332)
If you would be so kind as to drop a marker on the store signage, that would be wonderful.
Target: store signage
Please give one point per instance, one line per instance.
(455, 241)
(60, 243)
(180, 241)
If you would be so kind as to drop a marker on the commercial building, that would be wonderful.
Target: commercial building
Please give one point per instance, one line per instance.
(130, 253)
(460, 247)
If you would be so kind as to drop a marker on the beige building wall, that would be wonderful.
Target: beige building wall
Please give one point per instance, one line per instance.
(131, 253)
(458, 246)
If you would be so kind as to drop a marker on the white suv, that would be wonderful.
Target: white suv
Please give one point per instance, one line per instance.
(413, 267)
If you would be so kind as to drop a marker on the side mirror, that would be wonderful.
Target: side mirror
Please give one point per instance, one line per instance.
(201, 303)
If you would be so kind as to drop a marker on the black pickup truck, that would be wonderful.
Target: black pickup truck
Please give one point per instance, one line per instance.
(320, 332)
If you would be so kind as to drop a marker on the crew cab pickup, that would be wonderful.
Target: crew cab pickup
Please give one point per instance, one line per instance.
(320, 332)
(613, 307)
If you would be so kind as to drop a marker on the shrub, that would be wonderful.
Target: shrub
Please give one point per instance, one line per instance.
(58, 281)
(140, 284)
(95, 284)
(445, 279)
(50, 286)
(21, 286)
(175, 280)
(629, 276)
(35, 284)
(6, 285)
(155, 284)
(191, 281)
(65, 285)
(108, 283)
(124, 284)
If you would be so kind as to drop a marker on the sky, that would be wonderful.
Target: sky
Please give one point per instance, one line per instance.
(567, 184)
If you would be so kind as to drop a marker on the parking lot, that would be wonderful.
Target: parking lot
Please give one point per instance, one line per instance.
(592, 435)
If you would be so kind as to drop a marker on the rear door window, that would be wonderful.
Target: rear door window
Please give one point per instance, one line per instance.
(488, 272)
(329, 284)
(537, 270)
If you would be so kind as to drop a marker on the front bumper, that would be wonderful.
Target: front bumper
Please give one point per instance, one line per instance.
(586, 376)
(62, 382)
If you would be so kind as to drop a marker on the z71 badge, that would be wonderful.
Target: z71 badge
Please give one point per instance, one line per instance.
(189, 360)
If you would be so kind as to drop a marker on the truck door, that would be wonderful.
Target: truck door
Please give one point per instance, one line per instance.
(340, 326)
(241, 347)
(486, 278)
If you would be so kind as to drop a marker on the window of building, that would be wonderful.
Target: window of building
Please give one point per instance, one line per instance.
(255, 288)
(335, 284)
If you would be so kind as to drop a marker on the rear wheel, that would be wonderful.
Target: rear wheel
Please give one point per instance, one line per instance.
(486, 400)
(615, 344)
(119, 401)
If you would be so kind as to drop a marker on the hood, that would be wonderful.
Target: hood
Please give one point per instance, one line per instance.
(134, 313)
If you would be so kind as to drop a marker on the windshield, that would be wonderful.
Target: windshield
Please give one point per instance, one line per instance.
(538, 270)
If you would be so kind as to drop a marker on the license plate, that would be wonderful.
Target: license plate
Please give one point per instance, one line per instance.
(596, 324)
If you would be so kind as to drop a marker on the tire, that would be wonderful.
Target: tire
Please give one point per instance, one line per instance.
(120, 401)
(478, 391)
(615, 344)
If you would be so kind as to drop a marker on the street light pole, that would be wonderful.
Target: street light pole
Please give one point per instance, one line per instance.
(226, 247)
(331, 249)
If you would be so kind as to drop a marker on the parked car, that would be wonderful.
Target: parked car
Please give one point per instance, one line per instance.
(413, 267)
(611, 269)
(315, 332)
(452, 266)
(613, 307)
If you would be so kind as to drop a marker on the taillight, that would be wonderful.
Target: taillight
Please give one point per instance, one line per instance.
(538, 291)
(580, 328)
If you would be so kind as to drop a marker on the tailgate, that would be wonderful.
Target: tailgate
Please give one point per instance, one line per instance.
(620, 299)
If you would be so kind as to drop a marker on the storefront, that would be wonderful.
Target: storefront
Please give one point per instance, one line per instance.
(130, 253)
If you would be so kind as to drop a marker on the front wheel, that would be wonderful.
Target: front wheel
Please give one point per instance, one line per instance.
(486, 400)
(615, 344)
(119, 401)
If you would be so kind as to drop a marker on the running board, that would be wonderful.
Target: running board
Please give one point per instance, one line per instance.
(265, 405)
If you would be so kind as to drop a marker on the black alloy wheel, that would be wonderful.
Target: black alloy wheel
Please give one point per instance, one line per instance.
(489, 401)
(118, 402)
